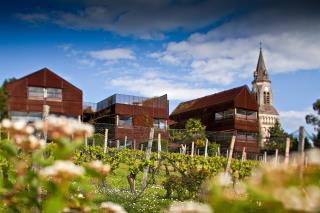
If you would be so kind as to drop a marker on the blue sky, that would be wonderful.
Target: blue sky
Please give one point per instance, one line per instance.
(186, 49)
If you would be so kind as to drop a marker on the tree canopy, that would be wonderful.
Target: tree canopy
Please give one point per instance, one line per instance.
(314, 120)
(196, 131)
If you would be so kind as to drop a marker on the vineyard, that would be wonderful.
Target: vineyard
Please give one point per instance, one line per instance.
(67, 176)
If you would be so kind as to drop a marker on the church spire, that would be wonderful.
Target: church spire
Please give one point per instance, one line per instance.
(261, 73)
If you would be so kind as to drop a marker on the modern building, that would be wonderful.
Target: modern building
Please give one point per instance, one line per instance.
(229, 112)
(28, 95)
(261, 87)
(130, 116)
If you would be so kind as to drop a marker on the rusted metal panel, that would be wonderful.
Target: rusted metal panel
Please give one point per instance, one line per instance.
(71, 104)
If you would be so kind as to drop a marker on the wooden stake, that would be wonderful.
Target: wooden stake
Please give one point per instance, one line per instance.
(192, 148)
(105, 141)
(85, 140)
(148, 153)
(276, 157)
(286, 157)
(301, 151)
(206, 149)
(265, 157)
(118, 144)
(243, 156)
(125, 141)
(159, 147)
(233, 140)
(134, 144)
(142, 147)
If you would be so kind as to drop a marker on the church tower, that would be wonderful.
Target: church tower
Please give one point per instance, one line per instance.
(261, 87)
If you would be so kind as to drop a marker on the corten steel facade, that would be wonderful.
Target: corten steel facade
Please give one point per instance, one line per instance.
(27, 95)
(131, 116)
(225, 113)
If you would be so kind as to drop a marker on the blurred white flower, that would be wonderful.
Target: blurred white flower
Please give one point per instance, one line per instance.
(299, 199)
(110, 207)
(223, 179)
(99, 167)
(80, 195)
(313, 156)
(6, 123)
(59, 127)
(189, 207)
(62, 169)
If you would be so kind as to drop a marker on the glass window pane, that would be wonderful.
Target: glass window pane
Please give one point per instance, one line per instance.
(218, 115)
(251, 114)
(35, 93)
(241, 113)
(229, 113)
(241, 135)
(55, 94)
(159, 123)
(125, 120)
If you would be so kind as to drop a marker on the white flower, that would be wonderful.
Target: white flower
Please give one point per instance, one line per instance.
(80, 195)
(62, 169)
(223, 179)
(99, 167)
(19, 125)
(189, 207)
(313, 156)
(110, 207)
(6, 123)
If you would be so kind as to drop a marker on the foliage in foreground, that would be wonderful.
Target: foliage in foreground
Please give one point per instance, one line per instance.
(65, 177)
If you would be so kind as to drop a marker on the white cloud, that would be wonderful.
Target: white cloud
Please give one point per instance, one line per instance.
(230, 52)
(143, 19)
(113, 54)
(291, 120)
(153, 83)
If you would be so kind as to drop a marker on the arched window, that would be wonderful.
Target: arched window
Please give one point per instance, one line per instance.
(266, 97)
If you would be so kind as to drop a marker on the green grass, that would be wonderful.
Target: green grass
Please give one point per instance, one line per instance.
(151, 200)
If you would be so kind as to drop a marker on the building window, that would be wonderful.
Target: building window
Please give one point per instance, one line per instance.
(36, 93)
(251, 114)
(54, 94)
(266, 97)
(159, 123)
(246, 136)
(246, 114)
(218, 116)
(224, 114)
(125, 121)
(39, 93)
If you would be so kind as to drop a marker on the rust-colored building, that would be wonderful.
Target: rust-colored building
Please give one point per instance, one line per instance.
(27, 95)
(233, 111)
(130, 116)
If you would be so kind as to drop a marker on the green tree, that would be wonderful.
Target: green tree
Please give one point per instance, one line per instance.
(3, 101)
(196, 131)
(277, 138)
(314, 120)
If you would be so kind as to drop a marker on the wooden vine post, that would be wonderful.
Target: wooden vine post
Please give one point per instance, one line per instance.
(125, 141)
(206, 149)
(148, 153)
(276, 157)
(105, 141)
(192, 149)
(159, 148)
(301, 151)
(233, 140)
(286, 157)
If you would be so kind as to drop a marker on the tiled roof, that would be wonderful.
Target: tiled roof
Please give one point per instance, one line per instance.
(210, 100)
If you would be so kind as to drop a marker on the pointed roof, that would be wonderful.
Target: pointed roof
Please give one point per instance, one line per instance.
(261, 73)
(227, 96)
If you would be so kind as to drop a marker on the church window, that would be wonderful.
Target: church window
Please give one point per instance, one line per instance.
(266, 97)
